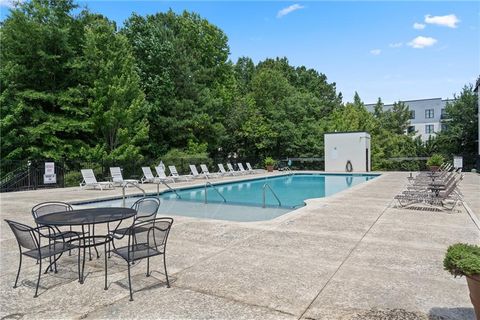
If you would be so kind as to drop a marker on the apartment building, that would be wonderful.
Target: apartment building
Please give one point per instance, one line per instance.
(426, 116)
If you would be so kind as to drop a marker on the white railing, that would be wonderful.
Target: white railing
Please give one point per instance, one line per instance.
(265, 186)
(208, 184)
(133, 184)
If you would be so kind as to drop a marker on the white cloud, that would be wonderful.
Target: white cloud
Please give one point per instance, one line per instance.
(449, 20)
(418, 26)
(395, 45)
(421, 42)
(289, 9)
(375, 52)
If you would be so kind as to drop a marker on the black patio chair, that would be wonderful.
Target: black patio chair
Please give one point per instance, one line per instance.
(29, 244)
(146, 239)
(146, 208)
(45, 208)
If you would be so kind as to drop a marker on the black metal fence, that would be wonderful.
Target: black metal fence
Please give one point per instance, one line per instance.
(16, 175)
(28, 175)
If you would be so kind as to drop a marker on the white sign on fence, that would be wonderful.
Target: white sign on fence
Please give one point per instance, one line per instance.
(457, 162)
(49, 177)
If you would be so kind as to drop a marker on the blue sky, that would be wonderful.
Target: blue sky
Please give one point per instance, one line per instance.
(371, 47)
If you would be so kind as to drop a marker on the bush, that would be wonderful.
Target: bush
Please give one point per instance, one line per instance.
(73, 178)
(462, 259)
(435, 160)
(269, 161)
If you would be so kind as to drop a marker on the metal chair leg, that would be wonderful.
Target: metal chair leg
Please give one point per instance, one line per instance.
(83, 263)
(38, 280)
(105, 254)
(18, 272)
(148, 266)
(165, 267)
(79, 254)
(130, 282)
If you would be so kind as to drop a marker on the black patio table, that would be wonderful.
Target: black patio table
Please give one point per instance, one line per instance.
(86, 217)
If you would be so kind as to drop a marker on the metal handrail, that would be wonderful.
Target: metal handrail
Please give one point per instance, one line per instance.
(169, 188)
(209, 184)
(133, 184)
(273, 192)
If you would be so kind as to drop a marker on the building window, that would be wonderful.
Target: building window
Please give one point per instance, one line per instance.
(412, 114)
(443, 114)
(429, 128)
(444, 127)
(429, 114)
(411, 129)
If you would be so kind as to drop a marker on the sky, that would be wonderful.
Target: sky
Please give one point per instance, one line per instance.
(394, 50)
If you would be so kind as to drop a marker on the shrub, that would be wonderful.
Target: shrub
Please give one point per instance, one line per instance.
(73, 178)
(462, 259)
(435, 160)
(269, 161)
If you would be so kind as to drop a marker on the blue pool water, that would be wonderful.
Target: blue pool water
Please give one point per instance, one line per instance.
(291, 190)
(244, 199)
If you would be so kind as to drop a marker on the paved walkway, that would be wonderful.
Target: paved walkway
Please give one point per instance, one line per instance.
(348, 256)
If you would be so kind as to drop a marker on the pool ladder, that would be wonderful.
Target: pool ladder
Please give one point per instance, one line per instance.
(265, 186)
(123, 190)
(209, 184)
(169, 188)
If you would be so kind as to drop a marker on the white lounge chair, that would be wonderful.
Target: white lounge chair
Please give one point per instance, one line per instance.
(207, 173)
(249, 168)
(231, 170)
(117, 177)
(194, 171)
(242, 169)
(162, 176)
(174, 174)
(89, 181)
(148, 176)
(222, 170)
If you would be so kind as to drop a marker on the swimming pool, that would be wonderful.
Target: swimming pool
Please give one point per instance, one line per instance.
(243, 200)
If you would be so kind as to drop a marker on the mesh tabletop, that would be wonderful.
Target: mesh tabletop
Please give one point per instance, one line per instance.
(86, 216)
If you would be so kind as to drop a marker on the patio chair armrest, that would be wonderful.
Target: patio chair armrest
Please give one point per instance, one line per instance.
(52, 232)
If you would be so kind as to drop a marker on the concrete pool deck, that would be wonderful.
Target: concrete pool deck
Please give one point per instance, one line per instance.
(348, 256)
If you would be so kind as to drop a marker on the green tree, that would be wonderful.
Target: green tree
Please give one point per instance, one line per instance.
(244, 71)
(378, 109)
(114, 96)
(187, 80)
(461, 134)
(42, 101)
(396, 119)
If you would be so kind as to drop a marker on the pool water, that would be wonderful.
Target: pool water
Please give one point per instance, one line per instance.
(244, 199)
(291, 190)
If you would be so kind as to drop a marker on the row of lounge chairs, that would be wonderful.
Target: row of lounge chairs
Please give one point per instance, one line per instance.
(90, 181)
(432, 191)
(148, 176)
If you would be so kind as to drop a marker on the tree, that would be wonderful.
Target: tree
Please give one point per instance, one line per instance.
(461, 132)
(114, 96)
(378, 109)
(244, 72)
(396, 119)
(42, 103)
(182, 62)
